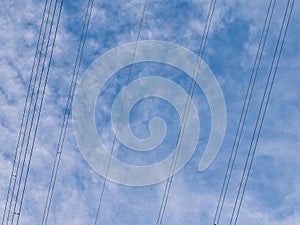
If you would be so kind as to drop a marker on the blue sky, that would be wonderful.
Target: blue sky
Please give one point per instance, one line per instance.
(272, 196)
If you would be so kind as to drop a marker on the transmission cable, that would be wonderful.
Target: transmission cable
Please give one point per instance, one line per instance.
(122, 106)
(67, 112)
(37, 107)
(26, 111)
(185, 115)
(16, 167)
(244, 112)
(263, 108)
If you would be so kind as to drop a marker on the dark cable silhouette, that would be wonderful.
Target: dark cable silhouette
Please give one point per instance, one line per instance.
(244, 112)
(263, 107)
(185, 115)
(64, 126)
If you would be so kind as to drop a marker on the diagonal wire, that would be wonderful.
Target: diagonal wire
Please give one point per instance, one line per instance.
(26, 111)
(264, 105)
(29, 153)
(67, 112)
(122, 106)
(15, 173)
(244, 112)
(42, 99)
(185, 115)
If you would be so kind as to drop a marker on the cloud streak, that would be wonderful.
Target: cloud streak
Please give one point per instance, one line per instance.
(273, 194)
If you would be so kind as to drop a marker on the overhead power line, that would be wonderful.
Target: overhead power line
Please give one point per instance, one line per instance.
(245, 109)
(38, 106)
(262, 111)
(31, 116)
(18, 151)
(64, 126)
(185, 114)
(122, 106)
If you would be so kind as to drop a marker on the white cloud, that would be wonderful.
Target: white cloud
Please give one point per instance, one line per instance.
(193, 195)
